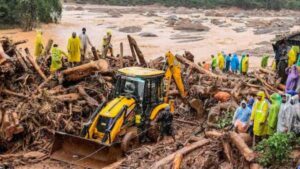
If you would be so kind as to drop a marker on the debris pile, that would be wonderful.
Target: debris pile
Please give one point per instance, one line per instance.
(44, 103)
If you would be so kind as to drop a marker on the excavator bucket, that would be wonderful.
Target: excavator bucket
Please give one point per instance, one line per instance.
(83, 152)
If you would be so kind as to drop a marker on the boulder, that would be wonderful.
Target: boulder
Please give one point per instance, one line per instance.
(188, 25)
(147, 34)
(131, 29)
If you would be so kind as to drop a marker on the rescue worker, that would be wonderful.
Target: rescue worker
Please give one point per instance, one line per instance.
(85, 41)
(285, 114)
(293, 78)
(292, 56)
(221, 61)
(38, 47)
(106, 44)
(234, 63)
(227, 62)
(298, 61)
(214, 63)
(273, 113)
(74, 49)
(259, 116)
(295, 121)
(241, 118)
(56, 58)
(165, 119)
(264, 61)
(244, 66)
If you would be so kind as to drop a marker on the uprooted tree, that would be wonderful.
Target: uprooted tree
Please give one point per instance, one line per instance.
(27, 13)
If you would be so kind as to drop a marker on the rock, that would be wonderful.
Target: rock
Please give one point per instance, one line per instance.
(239, 29)
(187, 24)
(131, 29)
(217, 22)
(114, 13)
(214, 13)
(79, 8)
(172, 17)
(147, 34)
(151, 14)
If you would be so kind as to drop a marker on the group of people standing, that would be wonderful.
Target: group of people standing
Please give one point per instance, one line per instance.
(263, 117)
(77, 48)
(230, 63)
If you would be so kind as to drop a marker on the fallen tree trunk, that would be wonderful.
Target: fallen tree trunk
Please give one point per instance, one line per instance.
(8, 92)
(182, 151)
(35, 65)
(91, 102)
(242, 146)
(48, 47)
(139, 53)
(67, 97)
(194, 66)
(79, 72)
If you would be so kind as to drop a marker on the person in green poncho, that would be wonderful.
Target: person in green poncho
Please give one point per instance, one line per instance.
(298, 61)
(264, 61)
(273, 113)
(214, 63)
(56, 58)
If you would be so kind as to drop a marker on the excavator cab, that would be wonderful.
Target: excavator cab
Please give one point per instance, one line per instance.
(112, 127)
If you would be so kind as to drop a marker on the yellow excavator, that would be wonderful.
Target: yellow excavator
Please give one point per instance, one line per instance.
(115, 127)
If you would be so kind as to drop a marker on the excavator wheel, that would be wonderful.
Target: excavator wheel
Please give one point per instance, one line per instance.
(129, 141)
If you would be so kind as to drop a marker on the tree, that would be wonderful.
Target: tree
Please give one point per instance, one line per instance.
(27, 13)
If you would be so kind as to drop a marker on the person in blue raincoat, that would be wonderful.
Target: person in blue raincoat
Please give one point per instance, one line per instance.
(227, 62)
(235, 63)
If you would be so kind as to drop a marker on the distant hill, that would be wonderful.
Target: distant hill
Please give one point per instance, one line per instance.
(246, 4)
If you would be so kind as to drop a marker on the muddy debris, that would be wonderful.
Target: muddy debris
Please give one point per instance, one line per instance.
(131, 29)
(188, 25)
(147, 34)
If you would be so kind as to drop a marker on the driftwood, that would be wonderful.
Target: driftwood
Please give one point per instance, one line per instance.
(48, 47)
(9, 92)
(92, 102)
(79, 72)
(242, 146)
(67, 97)
(135, 48)
(121, 55)
(194, 66)
(35, 65)
(182, 151)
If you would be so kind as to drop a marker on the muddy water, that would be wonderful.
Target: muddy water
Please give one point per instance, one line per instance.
(97, 21)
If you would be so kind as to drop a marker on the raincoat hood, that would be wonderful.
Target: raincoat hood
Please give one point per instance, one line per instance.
(243, 102)
(294, 72)
(261, 94)
(275, 98)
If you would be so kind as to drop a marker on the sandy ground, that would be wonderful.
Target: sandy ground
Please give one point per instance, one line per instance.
(202, 44)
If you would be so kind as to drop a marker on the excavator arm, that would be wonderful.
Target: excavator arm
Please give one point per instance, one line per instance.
(173, 69)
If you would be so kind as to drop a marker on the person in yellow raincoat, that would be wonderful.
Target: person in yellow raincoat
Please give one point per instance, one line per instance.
(244, 64)
(56, 58)
(74, 49)
(259, 116)
(221, 61)
(292, 55)
(38, 46)
(106, 44)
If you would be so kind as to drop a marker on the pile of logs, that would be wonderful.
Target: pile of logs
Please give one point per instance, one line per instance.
(43, 103)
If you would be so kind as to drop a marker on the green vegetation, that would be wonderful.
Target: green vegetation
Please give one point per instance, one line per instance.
(28, 13)
(276, 149)
(225, 120)
(248, 4)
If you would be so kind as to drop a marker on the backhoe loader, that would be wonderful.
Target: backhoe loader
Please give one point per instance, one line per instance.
(116, 126)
